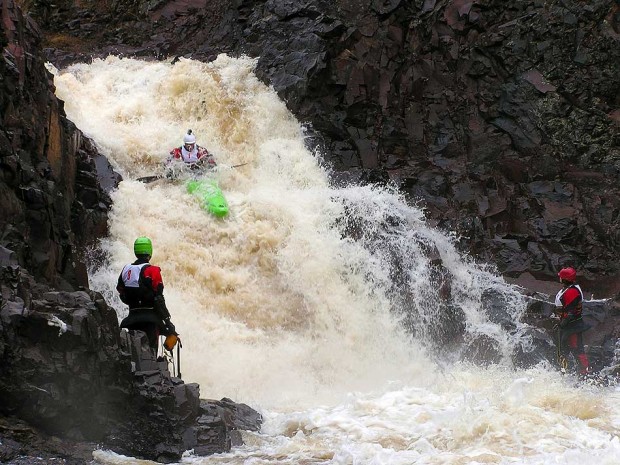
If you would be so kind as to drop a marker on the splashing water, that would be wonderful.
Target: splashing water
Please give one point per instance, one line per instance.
(322, 307)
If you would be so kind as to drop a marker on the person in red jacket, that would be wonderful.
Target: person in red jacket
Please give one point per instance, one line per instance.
(141, 287)
(193, 155)
(568, 304)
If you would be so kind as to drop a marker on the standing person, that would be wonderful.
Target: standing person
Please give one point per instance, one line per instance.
(193, 155)
(141, 287)
(568, 304)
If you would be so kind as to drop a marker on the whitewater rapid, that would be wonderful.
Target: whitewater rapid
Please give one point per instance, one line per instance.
(280, 308)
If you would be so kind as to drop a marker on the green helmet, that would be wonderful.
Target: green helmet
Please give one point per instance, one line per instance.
(143, 246)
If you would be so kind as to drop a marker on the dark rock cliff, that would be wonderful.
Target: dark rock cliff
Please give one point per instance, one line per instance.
(51, 201)
(502, 118)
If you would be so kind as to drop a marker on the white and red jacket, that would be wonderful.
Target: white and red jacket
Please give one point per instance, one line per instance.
(139, 283)
(198, 154)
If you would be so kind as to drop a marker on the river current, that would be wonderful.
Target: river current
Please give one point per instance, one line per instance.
(293, 305)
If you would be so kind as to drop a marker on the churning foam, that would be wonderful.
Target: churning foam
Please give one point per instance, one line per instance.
(267, 309)
(291, 303)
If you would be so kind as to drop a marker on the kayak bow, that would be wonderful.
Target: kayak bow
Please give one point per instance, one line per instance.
(210, 196)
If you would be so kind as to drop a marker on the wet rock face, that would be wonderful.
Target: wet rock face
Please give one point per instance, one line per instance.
(52, 203)
(507, 130)
(62, 370)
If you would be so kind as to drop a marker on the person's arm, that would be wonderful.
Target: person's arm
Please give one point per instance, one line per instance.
(163, 313)
(120, 287)
(205, 158)
(159, 303)
(175, 153)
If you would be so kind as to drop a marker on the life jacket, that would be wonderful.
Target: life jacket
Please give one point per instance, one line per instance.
(138, 284)
(196, 154)
(574, 307)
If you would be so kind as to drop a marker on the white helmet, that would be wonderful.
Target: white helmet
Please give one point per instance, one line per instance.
(189, 138)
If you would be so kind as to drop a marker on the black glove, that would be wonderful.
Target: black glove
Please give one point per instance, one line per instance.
(170, 329)
(159, 304)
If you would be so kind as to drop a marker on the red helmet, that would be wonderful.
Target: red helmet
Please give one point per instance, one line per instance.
(568, 274)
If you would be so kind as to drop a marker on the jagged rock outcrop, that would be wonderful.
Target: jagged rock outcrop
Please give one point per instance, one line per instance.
(61, 367)
(67, 370)
(52, 205)
(168, 416)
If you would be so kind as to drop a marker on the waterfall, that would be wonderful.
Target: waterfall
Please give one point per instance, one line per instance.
(333, 309)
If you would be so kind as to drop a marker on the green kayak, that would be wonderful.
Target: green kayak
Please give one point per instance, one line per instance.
(210, 195)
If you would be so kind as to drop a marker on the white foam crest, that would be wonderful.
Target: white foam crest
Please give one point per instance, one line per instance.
(404, 263)
(472, 416)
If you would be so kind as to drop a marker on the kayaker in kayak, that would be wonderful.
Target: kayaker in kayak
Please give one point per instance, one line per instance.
(191, 154)
(197, 159)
